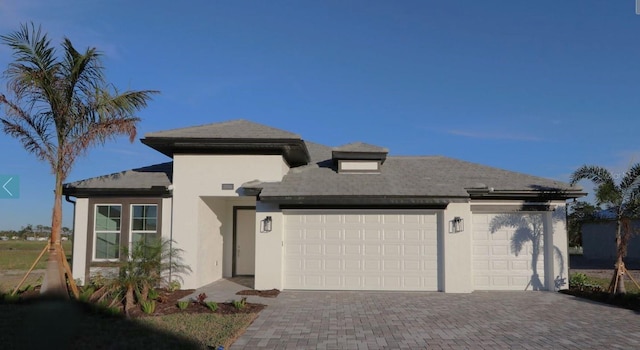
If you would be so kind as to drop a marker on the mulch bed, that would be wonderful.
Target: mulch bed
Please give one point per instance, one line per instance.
(167, 304)
(271, 293)
(629, 301)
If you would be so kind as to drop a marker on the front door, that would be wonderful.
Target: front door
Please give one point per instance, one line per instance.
(244, 226)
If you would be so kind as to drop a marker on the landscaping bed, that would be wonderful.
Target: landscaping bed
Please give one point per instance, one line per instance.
(593, 286)
(167, 304)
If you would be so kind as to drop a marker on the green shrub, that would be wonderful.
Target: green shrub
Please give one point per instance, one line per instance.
(113, 310)
(85, 293)
(212, 305)
(239, 304)
(153, 294)
(174, 286)
(148, 307)
(582, 282)
(578, 281)
(182, 304)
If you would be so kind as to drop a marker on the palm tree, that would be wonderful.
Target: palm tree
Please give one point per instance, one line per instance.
(60, 106)
(621, 199)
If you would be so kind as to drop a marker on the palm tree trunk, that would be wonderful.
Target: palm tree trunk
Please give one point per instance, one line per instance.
(128, 300)
(54, 281)
(617, 281)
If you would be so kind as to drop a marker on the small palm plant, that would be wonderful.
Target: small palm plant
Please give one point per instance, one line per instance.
(623, 200)
(146, 266)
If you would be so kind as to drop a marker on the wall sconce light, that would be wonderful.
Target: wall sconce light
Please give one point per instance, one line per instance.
(456, 225)
(265, 224)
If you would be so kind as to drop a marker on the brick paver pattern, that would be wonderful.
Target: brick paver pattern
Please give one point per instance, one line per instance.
(480, 320)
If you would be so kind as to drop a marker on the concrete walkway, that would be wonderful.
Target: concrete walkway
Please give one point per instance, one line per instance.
(396, 320)
(224, 291)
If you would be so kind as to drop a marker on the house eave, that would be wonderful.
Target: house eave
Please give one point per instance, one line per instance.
(155, 191)
(364, 201)
(551, 194)
(294, 151)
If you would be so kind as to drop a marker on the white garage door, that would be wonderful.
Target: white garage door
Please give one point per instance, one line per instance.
(365, 250)
(503, 251)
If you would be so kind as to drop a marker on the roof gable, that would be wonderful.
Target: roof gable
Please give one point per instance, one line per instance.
(231, 137)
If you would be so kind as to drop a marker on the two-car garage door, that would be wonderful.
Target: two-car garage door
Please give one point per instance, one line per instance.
(361, 250)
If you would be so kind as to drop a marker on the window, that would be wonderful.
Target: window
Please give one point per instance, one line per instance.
(107, 232)
(144, 224)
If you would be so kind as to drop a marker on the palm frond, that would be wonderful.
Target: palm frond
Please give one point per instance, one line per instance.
(99, 132)
(598, 175)
(28, 140)
(32, 131)
(630, 177)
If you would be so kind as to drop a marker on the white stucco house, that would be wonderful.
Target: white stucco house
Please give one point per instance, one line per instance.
(242, 198)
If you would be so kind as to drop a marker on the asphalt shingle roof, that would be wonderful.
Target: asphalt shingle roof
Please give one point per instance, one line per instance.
(428, 176)
(361, 147)
(234, 129)
(141, 178)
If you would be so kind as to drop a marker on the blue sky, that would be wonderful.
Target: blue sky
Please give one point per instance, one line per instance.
(539, 87)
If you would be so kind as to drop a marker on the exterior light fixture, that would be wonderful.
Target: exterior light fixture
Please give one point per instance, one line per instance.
(456, 225)
(265, 224)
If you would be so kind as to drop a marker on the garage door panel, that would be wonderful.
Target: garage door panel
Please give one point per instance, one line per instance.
(412, 219)
(352, 250)
(371, 235)
(391, 250)
(352, 235)
(392, 235)
(381, 251)
(496, 266)
(412, 235)
(412, 250)
(392, 265)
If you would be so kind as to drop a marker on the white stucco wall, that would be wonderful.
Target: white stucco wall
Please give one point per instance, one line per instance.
(197, 225)
(559, 277)
(269, 248)
(455, 252)
(80, 239)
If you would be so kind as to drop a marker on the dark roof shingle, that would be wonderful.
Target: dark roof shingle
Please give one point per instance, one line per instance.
(233, 129)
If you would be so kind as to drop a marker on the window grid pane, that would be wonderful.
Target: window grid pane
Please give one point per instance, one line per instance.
(107, 231)
(144, 220)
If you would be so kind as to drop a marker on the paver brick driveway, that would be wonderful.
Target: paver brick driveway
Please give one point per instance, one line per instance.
(480, 320)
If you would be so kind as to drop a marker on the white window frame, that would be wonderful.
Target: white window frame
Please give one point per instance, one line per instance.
(131, 218)
(95, 231)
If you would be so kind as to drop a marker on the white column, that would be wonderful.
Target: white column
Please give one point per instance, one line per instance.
(269, 247)
(455, 250)
(80, 249)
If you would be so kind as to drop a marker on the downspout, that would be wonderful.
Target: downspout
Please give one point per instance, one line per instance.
(73, 226)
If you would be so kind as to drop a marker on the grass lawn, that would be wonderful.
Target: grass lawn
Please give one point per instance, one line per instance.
(19, 255)
(73, 325)
(604, 283)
